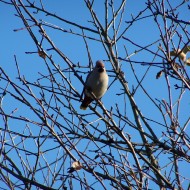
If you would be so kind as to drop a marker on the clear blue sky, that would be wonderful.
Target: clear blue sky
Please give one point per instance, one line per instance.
(143, 33)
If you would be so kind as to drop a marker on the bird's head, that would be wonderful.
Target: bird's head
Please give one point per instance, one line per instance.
(100, 66)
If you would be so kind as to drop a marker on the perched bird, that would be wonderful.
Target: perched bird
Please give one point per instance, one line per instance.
(75, 166)
(96, 82)
(182, 54)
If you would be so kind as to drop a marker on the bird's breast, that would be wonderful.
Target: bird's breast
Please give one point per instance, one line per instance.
(98, 84)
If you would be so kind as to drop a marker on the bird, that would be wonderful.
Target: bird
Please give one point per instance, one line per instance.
(75, 166)
(96, 82)
(182, 54)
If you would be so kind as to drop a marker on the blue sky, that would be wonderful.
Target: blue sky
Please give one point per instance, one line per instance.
(143, 33)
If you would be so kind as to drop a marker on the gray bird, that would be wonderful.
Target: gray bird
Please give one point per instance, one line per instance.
(96, 82)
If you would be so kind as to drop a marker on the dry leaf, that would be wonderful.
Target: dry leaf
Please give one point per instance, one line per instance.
(42, 54)
(187, 62)
(159, 74)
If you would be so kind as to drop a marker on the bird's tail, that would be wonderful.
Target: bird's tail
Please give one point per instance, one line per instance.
(87, 100)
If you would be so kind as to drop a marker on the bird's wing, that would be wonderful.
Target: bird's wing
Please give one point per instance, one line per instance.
(84, 86)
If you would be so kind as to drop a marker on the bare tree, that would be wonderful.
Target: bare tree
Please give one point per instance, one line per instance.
(136, 137)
